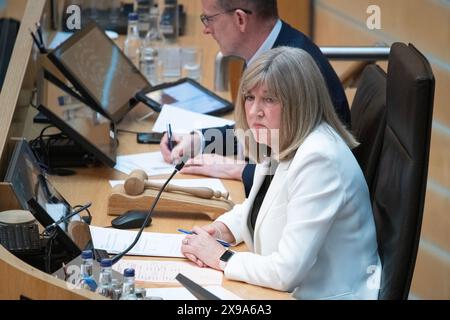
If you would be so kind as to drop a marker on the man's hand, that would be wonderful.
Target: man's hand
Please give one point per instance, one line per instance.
(214, 165)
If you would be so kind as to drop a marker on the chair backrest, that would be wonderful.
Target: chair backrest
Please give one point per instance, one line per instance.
(369, 120)
(400, 182)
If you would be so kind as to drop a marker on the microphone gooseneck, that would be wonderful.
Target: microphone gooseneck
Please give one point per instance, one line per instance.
(178, 167)
(66, 218)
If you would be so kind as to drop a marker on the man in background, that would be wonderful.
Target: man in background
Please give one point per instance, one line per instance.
(246, 29)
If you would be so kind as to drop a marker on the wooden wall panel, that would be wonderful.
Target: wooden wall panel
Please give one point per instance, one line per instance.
(426, 24)
(436, 218)
(439, 165)
(431, 275)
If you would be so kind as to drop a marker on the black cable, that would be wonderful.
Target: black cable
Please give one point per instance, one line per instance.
(89, 218)
(118, 256)
(48, 252)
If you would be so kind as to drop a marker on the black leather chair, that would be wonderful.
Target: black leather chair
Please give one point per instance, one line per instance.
(369, 120)
(401, 177)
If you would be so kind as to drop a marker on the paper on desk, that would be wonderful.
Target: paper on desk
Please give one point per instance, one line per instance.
(151, 162)
(150, 243)
(184, 121)
(166, 271)
(184, 294)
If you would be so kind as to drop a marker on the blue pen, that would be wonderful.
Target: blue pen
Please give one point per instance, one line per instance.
(169, 136)
(224, 243)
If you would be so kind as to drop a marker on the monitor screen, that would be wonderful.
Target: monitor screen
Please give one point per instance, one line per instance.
(35, 193)
(189, 95)
(99, 69)
(88, 128)
(29, 182)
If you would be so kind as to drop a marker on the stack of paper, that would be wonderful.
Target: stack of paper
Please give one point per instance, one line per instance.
(150, 243)
(152, 163)
(184, 121)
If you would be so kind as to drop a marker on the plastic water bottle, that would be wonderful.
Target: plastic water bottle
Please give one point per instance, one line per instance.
(133, 42)
(128, 292)
(169, 23)
(142, 8)
(87, 281)
(151, 51)
(105, 279)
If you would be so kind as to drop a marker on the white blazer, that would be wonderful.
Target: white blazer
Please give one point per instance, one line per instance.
(315, 232)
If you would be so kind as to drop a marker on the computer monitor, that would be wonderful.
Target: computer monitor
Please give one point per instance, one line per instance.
(100, 71)
(92, 131)
(35, 193)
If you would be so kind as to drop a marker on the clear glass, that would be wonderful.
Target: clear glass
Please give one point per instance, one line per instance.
(191, 62)
(171, 63)
(132, 44)
(151, 51)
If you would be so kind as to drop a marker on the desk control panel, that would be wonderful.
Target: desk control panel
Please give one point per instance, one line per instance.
(20, 238)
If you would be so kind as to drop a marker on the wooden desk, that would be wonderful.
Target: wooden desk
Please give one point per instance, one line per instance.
(91, 185)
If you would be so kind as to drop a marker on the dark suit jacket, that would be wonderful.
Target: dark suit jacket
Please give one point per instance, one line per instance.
(293, 38)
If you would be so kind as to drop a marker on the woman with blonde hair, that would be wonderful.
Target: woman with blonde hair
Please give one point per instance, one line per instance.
(308, 222)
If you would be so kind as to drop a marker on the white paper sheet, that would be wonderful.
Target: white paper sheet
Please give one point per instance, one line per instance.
(150, 243)
(183, 294)
(151, 162)
(184, 121)
(166, 271)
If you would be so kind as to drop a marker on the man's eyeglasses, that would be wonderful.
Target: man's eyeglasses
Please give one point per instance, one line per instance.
(207, 19)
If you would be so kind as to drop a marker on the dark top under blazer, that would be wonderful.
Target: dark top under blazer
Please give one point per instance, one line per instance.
(291, 37)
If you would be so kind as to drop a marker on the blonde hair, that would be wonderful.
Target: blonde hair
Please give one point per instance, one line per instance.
(292, 76)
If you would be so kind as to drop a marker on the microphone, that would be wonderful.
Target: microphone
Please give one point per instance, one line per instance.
(178, 167)
(66, 218)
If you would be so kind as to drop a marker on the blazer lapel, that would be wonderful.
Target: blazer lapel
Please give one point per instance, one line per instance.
(273, 191)
(261, 171)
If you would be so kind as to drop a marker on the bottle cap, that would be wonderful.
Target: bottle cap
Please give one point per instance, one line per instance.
(86, 254)
(128, 272)
(106, 263)
(132, 16)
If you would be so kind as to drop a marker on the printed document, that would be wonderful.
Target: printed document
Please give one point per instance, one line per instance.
(152, 163)
(184, 121)
(150, 243)
(166, 271)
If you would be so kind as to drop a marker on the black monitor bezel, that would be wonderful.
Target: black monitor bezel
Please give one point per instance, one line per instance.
(92, 101)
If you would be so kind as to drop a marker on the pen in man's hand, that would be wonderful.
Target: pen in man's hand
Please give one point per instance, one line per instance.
(224, 243)
(169, 136)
